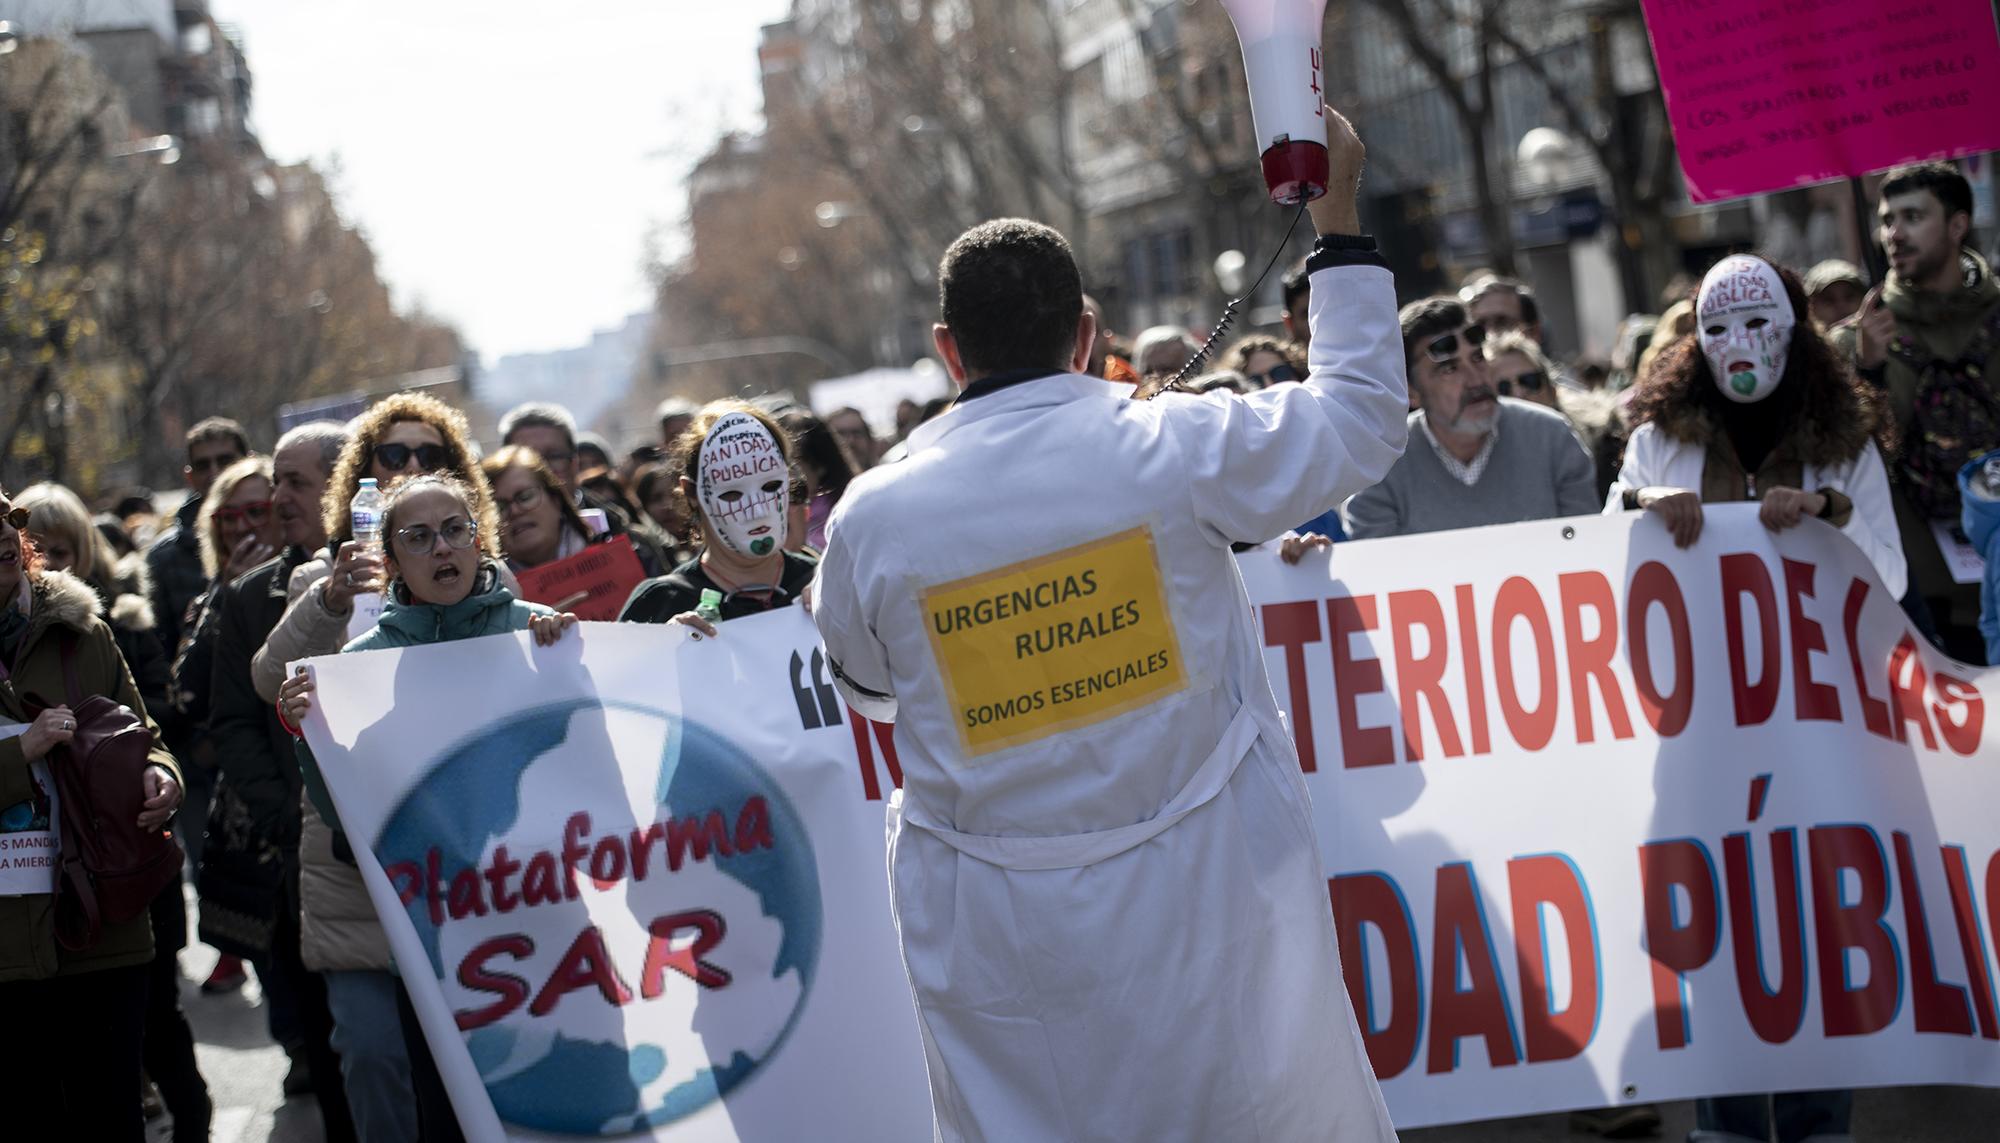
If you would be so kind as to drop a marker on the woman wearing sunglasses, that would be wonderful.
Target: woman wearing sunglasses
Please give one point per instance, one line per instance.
(84, 1010)
(408, 434)
(444, 584)
(1264, 361)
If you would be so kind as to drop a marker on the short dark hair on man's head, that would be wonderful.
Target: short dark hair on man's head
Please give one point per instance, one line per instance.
(1298, 284)
(217, 429)
(1426, 318)
(1011, 295)
(544, 413)
(1941, 179)
(1530, 312)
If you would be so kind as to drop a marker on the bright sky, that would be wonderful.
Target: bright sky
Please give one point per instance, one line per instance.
(507, 160)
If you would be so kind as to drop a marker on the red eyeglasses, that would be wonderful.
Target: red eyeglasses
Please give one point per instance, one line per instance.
(253, 513)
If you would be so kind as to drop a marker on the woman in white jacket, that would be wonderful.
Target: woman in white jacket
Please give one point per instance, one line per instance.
(1757, 407)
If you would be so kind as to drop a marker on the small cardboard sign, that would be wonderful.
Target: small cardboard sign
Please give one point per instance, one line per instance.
(594, 583)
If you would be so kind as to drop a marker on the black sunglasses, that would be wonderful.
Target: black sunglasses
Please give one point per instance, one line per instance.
(1282, 371)
(1530, 382)
(396, 457)
(1444, 347)
(18, 517)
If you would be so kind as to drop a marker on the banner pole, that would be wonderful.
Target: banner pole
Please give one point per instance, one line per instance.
(1878, 266)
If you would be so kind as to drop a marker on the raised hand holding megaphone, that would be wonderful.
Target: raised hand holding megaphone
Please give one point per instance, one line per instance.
(1285, 67)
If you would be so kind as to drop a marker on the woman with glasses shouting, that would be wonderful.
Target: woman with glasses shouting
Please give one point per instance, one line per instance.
(408, 434)
(444, 584)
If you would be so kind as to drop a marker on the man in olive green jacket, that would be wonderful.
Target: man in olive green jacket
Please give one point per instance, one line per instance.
(1926, 338)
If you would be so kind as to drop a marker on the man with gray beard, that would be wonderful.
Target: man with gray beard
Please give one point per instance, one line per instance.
(1474, 457)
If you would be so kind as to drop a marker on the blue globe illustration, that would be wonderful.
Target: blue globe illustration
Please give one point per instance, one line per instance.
(543, 1075)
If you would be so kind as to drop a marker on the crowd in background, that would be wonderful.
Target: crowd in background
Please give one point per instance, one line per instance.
(1881, 419)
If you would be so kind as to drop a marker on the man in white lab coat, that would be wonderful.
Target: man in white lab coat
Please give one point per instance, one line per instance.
(1102, 862)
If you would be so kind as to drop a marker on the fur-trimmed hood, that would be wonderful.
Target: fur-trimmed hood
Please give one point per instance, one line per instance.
(62, 598)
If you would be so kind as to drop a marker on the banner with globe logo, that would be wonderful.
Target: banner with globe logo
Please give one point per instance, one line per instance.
(632, 894)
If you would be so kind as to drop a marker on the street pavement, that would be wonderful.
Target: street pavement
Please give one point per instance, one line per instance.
(246, 1073)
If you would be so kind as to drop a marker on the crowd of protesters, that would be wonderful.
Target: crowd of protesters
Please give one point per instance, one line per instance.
(1874, 409)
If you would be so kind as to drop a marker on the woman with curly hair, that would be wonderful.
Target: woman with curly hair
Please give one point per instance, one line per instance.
(398, 440)
(445, 584)
(736, 484)
(1264, 361)
(408, 434)
(1757, 407)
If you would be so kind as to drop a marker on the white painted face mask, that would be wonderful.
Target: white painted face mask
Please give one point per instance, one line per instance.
(1745, 323)
(743, 485)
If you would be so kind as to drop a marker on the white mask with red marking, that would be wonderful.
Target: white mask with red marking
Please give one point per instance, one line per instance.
(1745, 323)
(743, 485)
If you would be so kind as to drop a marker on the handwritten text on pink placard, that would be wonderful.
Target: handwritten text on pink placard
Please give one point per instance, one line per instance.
(1769, 94)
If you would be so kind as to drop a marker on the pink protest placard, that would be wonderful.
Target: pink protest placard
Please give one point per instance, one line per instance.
(1769, 94)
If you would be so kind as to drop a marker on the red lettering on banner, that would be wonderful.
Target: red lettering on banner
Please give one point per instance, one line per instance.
(1874, 712)
(497, 875)
(1418, 680)
(1292, 626)
(1372, 899)
(1460, 935)
(466, 898)
(1839, 925)
(1590, 659)
(1965, 916)
(1550, 879)
(540, 885)
(1744, 576)
(1939, 1006)
(1812, 700)
(474, 975)
(586, 964)
(408, 879)
(1668, 713)
(664, 950)
(1518, 599)
(1954, 695)
(607, 862)
(1353, 677)
(1775, 1015)
(1906, 700)
(574, 851)
(1677, 948)
(1475, 680)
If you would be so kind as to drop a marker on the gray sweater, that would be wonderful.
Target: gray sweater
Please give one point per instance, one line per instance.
(1538, 471)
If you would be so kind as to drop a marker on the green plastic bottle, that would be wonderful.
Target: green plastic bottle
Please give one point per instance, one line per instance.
(710, 607)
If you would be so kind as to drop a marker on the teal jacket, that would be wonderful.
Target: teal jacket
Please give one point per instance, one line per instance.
(489, 610)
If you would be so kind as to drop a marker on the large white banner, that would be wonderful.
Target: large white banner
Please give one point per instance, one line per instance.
(634, 882)
(1603, 821)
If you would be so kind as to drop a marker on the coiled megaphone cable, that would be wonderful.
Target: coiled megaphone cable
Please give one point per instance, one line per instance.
(1179, 382)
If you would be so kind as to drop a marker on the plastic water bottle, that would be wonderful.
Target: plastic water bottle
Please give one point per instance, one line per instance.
(710, 607)
(366, 513)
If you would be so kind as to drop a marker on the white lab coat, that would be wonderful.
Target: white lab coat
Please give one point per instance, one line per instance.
(1120, 932)
(1655, 460)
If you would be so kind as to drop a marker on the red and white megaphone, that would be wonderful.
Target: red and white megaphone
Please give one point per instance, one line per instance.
(1283, 62)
